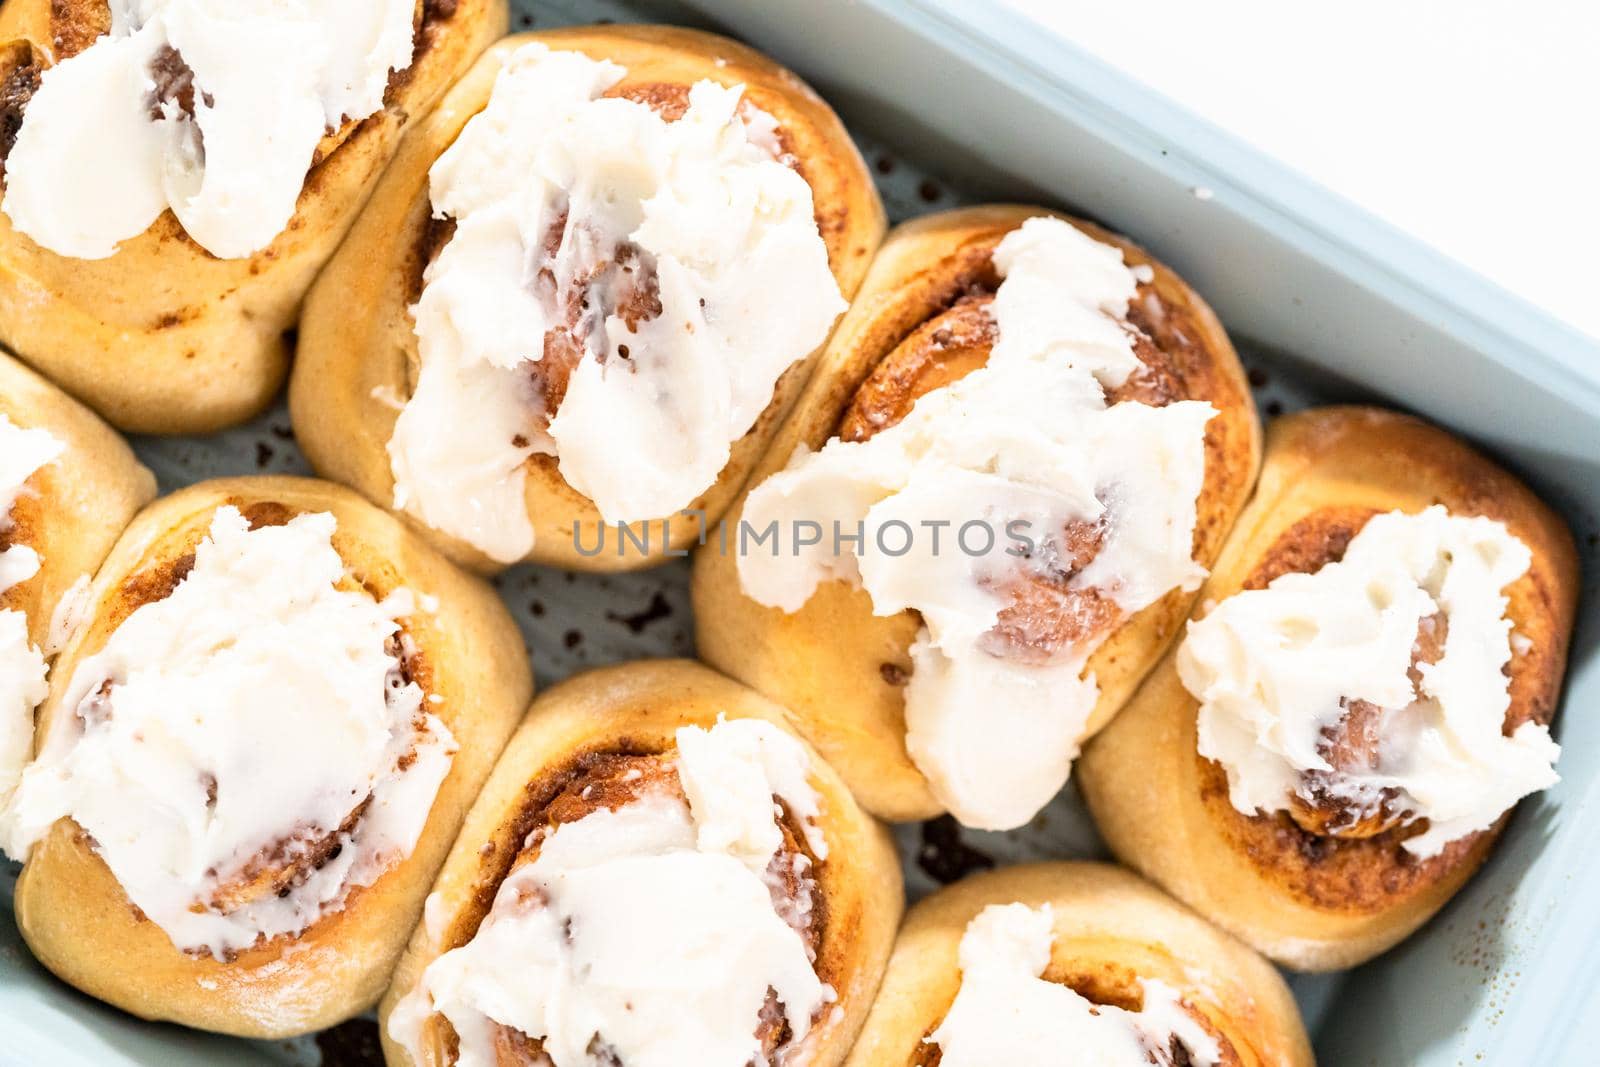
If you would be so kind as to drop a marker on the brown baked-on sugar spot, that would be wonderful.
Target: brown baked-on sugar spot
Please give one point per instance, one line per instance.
(637, 622)
(351, 1044)
(606, 781)
(945, 856)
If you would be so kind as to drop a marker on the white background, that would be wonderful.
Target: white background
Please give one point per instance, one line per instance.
(1473, 125)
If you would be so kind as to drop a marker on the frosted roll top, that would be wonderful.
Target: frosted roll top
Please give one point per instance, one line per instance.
(212, 110)
(1005, 462)
(262, 675)
(1276, 670)
(621, 292)
(655, 931)
(23, 453)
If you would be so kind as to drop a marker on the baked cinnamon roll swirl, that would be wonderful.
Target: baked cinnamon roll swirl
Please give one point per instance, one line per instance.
(657, 873)
(573, 313)
(1069, 963)
(254, 755)
(152, 268)
(1363, 694)
(987, 515)
(68, 485)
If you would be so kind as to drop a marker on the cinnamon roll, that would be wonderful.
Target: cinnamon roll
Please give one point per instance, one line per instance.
(1068, 963)
(1363, 694)
(988, 513)
(254, 756)
(151, 268)
(658, 872)
(68, 485)
(571, 316)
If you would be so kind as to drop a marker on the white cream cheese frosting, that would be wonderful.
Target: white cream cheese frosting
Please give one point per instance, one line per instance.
(681, 258)
(1274, 668)
(106, 146)
(22, 666)
(651, 932)
(1007, 1013)
(236, 727)
(1024, 445)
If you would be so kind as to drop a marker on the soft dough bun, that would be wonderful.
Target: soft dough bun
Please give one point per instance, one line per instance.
(74, 508)
(462, 649)
(162, 336)
(843, 669)
(1110, 930)
(358, 362)
(582, 744)
(1310, 900)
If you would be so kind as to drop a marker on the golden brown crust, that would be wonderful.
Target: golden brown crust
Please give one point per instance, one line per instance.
(72, 511)
(1111, 929)
(358, 356)
(1317, 901)
(630, 714)
(73, 913)
(839, 667)
(162, 337)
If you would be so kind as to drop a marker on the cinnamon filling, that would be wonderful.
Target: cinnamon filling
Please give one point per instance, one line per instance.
(1354, 744)
(1048, 609)
(174, 84)
(606, 782)
(16, 89)
(620, 280)
(429, 25)
(25, 524)
(77, 24)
